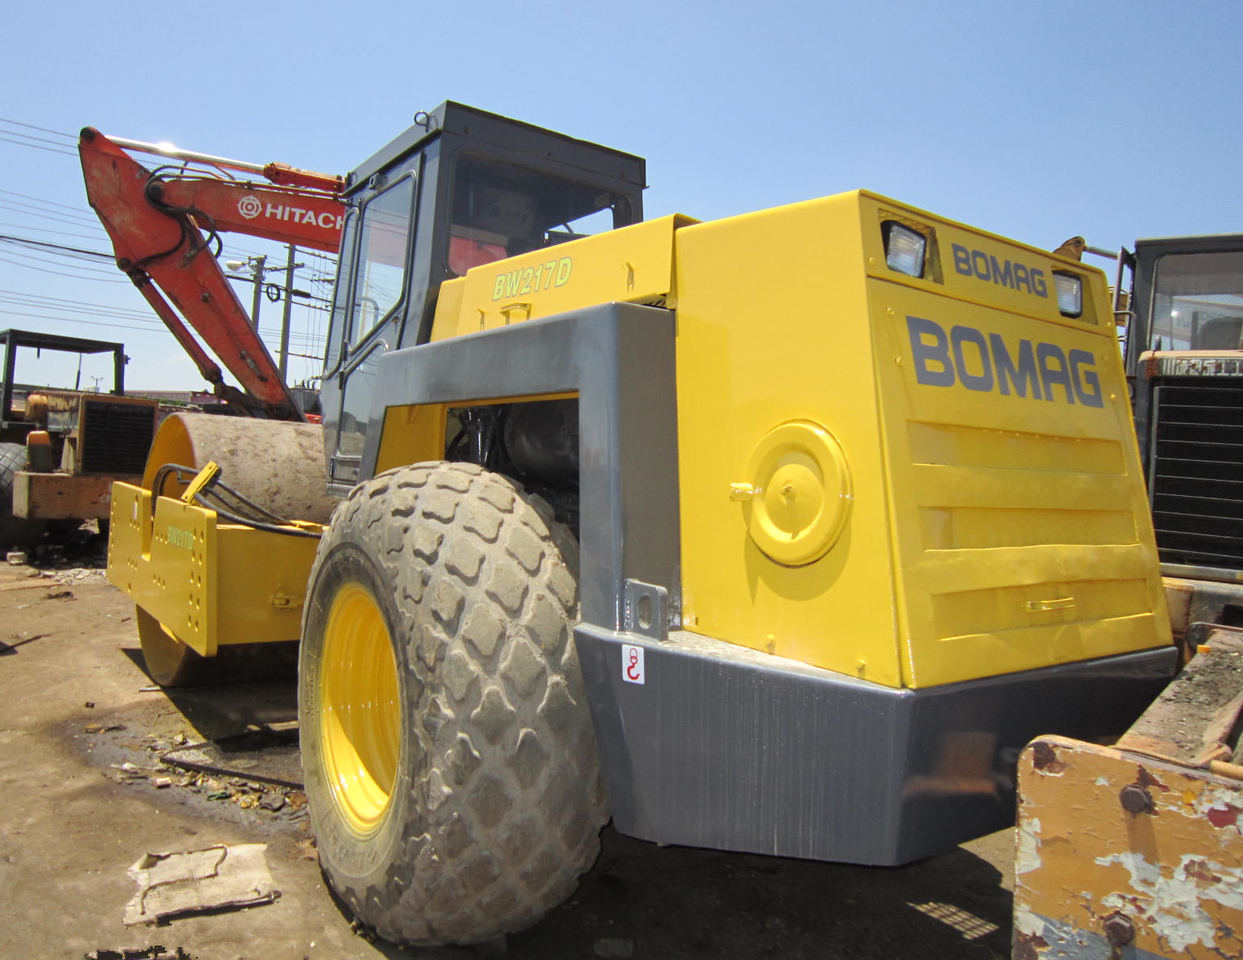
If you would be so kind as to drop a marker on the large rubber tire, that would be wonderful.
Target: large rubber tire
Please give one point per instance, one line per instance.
(449, 758)
(14, 531)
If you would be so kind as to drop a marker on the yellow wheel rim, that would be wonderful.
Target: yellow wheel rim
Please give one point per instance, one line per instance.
(360, 713)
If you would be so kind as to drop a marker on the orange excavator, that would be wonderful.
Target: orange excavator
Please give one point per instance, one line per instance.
(165, 225)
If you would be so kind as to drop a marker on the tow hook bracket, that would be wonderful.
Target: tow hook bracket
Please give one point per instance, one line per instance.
(645, 609)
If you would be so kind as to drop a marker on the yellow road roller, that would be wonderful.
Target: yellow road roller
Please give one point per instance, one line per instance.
(782, 533)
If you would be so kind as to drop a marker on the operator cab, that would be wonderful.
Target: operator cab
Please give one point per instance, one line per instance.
(460, 189)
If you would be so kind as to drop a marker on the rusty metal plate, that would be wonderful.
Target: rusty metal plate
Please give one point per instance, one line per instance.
(1122, 855)
(58, 496)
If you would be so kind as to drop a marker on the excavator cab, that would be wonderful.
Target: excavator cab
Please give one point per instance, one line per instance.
(460, 189)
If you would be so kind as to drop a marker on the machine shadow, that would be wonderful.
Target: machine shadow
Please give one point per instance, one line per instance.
(227, 709)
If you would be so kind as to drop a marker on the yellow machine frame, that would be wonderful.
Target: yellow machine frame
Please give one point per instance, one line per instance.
(209, 583)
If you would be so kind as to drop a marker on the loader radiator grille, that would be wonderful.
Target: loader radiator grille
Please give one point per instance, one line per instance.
(1195, 471)
(115, 437)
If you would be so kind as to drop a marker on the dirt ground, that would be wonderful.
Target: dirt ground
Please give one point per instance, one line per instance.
(76, 708)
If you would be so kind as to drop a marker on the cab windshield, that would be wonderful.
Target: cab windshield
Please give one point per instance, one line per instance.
(501, 210)
(1197, 302)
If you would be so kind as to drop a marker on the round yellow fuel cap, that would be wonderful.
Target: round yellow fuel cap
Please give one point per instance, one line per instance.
(801, 492)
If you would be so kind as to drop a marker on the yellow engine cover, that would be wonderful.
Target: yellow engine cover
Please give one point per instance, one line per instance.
(913, 480)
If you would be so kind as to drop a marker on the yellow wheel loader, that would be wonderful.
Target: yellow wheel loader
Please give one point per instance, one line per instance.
(62, 449)
(783, 533)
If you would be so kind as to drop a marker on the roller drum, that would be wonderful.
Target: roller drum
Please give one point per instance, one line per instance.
(278, 465)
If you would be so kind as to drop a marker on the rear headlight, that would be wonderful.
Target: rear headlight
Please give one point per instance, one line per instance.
(1069, 288)
(904, 249)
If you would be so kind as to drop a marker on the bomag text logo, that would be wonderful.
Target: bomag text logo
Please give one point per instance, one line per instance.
(988, 363)
(524, 280)
(1004, 273)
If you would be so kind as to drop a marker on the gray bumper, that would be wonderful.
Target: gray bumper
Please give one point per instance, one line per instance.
(734, 749)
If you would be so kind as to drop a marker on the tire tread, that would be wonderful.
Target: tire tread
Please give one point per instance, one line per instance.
(508, 802)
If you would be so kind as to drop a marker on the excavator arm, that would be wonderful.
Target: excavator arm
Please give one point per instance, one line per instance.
(162, 224)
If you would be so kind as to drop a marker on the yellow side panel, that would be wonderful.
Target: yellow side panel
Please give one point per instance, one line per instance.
(1016, 515)
(411, 434)
(770, 329)
(179, 564)
(263, 578)
(632, 265)
(1021, 530)
(943, 520)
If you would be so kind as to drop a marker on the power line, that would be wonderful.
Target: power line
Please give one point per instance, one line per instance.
(40, 207)
(85, 273)
(35, 139)
(51, 203)
(56, 273)
(52, 216)
(91, 323)
(62, 233)
(67, 259)
(305, 356)
(42, 296)
(32, 146)
(33, 302)
(298, 337)
(31, 126)
(55, 246)
(55, 303)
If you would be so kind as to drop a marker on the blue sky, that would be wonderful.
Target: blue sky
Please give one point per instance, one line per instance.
(1111, 120)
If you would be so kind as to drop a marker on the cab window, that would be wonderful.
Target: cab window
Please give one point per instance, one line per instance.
(1197, 302)
(380, 268)
(340, 297)
(501, 210)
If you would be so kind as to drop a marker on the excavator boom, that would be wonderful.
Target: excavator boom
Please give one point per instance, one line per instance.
(162, 224)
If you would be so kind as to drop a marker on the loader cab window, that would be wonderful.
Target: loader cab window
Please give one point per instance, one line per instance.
(501, 210)
(383, 229)
(1197, 302)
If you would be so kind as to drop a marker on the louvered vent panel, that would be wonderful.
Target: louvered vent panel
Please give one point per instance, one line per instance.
(1196, 472)
(115, 437)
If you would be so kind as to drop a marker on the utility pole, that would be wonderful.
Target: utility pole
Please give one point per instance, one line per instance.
(283, 357)
(258, 265)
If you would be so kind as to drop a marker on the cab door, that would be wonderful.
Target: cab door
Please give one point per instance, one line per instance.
(370, 302)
